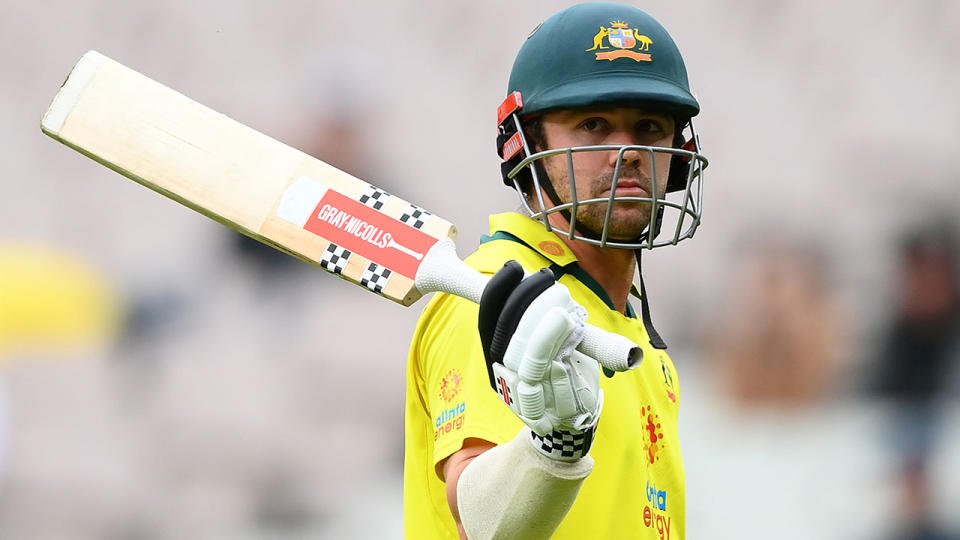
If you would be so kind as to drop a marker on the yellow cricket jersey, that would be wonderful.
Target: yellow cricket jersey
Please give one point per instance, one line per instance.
(636, 489)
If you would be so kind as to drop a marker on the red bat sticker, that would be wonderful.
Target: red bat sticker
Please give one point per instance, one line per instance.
(371, 234)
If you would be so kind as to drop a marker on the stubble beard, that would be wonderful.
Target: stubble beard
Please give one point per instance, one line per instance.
(628, 220)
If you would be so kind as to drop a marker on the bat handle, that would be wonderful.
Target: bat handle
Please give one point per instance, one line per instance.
(443, 271)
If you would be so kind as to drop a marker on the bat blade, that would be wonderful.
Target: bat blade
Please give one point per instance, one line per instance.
(243, 178)
(270, 191)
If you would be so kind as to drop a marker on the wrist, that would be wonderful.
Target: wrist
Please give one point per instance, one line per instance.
(514, 491)
(562, 444)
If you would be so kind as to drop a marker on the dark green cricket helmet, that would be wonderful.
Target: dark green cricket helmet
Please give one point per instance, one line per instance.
(600, 54)
(603, 55)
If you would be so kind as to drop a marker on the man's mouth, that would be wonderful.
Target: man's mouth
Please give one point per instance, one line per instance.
(628, 187)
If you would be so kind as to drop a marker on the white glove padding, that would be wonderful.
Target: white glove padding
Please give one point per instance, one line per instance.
(543, 378)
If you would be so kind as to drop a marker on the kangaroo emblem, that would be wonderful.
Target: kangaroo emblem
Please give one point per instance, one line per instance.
(644, 40)
(598, 39)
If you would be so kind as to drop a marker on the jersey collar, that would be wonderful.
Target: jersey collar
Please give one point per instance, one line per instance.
(513, 226)
(534, 234)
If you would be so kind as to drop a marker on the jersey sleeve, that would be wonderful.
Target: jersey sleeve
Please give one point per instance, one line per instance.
(456, 387)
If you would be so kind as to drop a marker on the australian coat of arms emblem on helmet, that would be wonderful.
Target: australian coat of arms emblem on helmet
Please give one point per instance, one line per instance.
(623, 40)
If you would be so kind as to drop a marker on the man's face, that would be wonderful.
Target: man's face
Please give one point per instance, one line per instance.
(594, 170)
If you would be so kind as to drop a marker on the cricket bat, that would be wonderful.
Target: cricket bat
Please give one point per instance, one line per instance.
(271, 192)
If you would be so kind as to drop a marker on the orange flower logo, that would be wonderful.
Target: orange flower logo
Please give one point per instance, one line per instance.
(450, 385)
(653, 441)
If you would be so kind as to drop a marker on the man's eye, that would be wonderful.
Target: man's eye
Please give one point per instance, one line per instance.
(649, 126)
(593, 124)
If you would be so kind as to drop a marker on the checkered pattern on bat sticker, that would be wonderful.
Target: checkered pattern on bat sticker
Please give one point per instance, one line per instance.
(414, 216)
(374, 197)
(335, 258)
(564, 445)
(375, 277)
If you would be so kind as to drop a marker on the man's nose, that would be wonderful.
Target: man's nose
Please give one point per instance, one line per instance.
(629, 156)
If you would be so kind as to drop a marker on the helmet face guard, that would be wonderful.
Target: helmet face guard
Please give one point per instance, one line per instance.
(677, 213)
(633, 62)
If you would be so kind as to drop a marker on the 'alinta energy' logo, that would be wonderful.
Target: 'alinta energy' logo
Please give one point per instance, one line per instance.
(655, 514)
(451, 417)
(450, 385)
(653, 441)
(624, 39)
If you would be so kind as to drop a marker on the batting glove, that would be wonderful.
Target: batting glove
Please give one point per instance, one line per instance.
(529, 329)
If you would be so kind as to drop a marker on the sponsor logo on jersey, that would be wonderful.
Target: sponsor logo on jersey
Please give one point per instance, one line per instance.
(653, 436)
(654, 513)
(450, 385)
(449, 420)
(624, 41)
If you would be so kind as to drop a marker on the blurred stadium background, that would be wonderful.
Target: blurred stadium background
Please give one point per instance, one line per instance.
(161, 378)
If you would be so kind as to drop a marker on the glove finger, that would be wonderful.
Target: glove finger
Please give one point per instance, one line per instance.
(589, 420)
(544, 344)
(530, 396)
(557, 296)
(564, 400)
(585, 380)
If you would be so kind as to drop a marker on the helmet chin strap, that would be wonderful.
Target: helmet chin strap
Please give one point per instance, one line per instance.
(655, 340)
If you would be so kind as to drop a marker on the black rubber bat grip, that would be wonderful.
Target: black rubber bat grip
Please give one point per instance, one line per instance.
(514, 308)
(494, 296)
